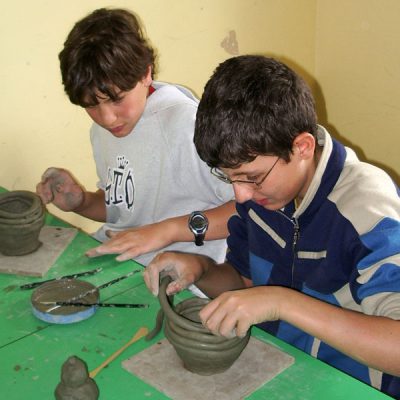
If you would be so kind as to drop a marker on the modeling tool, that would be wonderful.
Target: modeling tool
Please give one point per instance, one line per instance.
(73, 276)
(116, 305)
(139, 334)
(95, 289)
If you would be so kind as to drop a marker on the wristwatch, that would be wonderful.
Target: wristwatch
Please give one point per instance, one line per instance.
(198, 224)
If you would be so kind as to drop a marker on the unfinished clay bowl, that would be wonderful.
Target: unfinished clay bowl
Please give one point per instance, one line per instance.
(21, 219)
(201, 352)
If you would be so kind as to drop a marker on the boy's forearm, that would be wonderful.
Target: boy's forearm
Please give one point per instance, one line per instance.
(93, 206)
(372, 340)
(219, 278)
(217, 219)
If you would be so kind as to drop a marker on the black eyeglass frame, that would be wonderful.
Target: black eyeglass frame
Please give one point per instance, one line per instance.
(221, 176)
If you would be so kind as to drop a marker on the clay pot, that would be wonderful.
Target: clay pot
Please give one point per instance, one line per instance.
(201, 352)
(21, 219)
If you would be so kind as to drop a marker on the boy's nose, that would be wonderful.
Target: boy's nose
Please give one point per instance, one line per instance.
(242, 192)
(108, 116)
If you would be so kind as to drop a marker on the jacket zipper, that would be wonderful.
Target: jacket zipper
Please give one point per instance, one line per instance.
(296, 236)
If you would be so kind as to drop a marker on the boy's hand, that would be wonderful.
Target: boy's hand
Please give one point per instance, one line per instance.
(133, 242)
(233, 313)
(184, 268)
(60, 188)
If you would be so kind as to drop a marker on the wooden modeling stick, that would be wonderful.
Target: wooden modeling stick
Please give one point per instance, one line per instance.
(139, 334)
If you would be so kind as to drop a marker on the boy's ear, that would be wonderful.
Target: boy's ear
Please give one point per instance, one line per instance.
(304, 143)
(147, 79)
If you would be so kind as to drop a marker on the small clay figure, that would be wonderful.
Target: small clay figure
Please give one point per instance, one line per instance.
(75, 382)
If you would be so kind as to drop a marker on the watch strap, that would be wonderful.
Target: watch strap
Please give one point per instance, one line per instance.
(199, 239)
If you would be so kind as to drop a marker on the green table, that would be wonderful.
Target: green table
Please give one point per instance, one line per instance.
(32, 351)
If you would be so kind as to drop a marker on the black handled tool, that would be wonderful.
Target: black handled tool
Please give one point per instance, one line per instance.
(73, 276)
(103, 286)
(116, 305)
(76, 299)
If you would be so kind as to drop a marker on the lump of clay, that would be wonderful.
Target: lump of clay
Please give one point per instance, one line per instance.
(75, 382)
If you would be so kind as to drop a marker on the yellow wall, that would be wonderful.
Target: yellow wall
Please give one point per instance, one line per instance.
(334, 44)
(358, 68)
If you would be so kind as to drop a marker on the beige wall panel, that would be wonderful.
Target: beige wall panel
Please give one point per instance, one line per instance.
(40, 128)
(358, 68)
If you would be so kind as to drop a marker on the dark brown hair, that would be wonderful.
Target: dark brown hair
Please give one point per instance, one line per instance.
(252, 105)
(105, 52)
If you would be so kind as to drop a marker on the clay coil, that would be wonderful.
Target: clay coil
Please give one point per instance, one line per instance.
(201, 351)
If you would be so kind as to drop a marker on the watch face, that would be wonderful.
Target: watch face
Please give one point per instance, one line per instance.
(198, 222)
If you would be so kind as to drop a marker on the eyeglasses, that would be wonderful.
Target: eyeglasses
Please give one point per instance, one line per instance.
(221, 176)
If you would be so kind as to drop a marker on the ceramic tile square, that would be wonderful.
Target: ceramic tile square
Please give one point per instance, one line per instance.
(54, 241)
(160, 366)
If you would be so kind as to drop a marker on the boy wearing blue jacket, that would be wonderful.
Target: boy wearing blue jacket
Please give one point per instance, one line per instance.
(314, 251)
